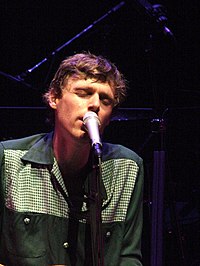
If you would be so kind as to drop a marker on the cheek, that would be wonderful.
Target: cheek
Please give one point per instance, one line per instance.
(105, 119)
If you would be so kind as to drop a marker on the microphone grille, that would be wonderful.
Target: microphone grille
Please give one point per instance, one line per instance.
(91, 115)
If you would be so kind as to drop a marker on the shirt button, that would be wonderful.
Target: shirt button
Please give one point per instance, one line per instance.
(108, 234)
(27, 220)
(66, 245)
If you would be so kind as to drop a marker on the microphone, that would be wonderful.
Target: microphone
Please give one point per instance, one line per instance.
(91, 122)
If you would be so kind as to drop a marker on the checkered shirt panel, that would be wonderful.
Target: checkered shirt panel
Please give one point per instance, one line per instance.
(29, 188)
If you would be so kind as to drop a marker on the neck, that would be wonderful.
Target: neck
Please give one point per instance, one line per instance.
(71, 155)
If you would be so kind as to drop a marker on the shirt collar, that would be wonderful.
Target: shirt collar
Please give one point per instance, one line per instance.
(42, 151)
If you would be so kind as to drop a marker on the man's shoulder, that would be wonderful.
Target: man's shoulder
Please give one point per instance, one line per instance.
(22, 143)
(117, 151)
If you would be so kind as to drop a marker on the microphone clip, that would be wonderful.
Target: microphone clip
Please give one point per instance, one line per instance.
(97, 148)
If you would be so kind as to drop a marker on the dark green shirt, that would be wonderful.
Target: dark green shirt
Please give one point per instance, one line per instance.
(36, 228)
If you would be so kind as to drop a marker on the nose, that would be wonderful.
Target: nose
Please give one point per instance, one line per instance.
(94, 103)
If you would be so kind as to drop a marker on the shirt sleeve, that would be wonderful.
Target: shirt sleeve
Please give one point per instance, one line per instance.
(1, 197)
(131, 247)
(1, 178)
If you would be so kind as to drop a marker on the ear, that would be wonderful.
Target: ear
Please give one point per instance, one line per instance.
(52, 101)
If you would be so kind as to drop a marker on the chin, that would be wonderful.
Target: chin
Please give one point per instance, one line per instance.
(84, 137)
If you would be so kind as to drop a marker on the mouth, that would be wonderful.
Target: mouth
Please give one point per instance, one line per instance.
(83, 128)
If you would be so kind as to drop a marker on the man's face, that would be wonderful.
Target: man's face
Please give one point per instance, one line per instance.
(80, 96)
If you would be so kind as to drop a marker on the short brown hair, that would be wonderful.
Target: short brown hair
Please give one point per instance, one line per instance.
(87, 65)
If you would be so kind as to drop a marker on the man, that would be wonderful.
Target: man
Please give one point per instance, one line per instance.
(45, 192)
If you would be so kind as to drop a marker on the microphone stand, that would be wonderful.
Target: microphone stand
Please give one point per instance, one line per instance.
(20, 77)
(158, 195)
(156, 16)
(159, 126)
(16, 79)
(52, 54)
(95, 210)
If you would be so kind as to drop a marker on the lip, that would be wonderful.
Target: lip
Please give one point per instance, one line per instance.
(83, 127)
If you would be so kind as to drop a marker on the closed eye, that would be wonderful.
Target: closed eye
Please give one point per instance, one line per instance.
(87, 92)
(107, 101)
(83, 92)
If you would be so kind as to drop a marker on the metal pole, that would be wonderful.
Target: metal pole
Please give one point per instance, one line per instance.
(157, 209)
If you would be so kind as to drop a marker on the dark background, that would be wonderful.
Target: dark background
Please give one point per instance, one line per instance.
(163, 75)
